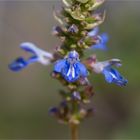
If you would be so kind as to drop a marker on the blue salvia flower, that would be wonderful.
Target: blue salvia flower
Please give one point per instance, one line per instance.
(70, 67)
(38, 55)
(111, 74)
(101, 39)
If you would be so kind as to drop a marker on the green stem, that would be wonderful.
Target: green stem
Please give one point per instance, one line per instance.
(74, 131)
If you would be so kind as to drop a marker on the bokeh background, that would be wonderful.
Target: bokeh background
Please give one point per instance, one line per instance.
(25, 97)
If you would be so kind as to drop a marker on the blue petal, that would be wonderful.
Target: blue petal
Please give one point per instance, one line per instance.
(29, 47)
(104, 38)
(33, 59)
(71, 72)
(102, 44)
(113, 76)
(59, 65)
(93, 32)
(82, 68)
(18, 64)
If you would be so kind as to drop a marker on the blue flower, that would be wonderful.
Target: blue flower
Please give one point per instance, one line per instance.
(38, 55)
(101, 39)
(111, 74)
(70, 67)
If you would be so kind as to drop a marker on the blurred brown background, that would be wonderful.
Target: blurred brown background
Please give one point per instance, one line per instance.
(25, 97)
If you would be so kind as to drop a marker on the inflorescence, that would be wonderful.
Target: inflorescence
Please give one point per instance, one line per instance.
(78, 31)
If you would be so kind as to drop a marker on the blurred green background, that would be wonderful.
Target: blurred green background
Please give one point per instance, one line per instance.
(25, 97)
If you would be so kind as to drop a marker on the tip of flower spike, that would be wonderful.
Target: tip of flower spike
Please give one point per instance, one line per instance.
(18, 64)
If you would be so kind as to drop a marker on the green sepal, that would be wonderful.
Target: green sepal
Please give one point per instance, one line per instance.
(90, 19)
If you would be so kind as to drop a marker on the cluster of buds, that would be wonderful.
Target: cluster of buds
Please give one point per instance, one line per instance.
(78, 31)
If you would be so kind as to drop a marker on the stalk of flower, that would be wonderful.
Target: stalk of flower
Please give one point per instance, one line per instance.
(78, 31)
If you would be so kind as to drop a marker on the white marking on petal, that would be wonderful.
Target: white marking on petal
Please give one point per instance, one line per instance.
(73, 72)
(69, 71)
(43, 57)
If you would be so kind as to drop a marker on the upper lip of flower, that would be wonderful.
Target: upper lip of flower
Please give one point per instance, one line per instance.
(38, 55)
(100, 40)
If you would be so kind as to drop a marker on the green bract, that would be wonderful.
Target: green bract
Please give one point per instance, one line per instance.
(76, 14)
(82, 1)
(93, 4)
(67, 2)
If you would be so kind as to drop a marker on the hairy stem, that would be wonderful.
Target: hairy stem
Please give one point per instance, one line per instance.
(74, 131)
